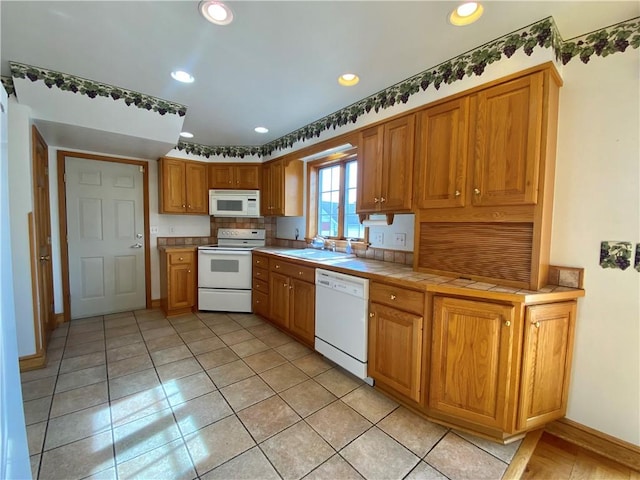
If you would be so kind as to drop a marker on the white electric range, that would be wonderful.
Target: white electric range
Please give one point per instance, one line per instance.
(224, 270)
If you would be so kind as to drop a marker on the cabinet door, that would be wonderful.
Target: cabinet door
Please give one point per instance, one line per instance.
(441, 155)
(395, 347)
(279, 293)
(548, 346)
(507, 142)
(302, 315)
(196, 188)
(247, 177)
(260, 302)
(221, 176)
(181, 286)
(369, 167)
(174, 197)
(470, 358)
(277, 188)
(265, 191)
(396, 179)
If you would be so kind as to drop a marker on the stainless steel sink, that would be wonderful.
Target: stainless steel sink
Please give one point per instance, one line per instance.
(313, 254)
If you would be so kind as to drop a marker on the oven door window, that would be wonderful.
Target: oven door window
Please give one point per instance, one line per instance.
(224, 265)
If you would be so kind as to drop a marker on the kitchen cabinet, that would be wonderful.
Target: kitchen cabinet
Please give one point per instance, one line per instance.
(385, 166)
(396, 324)
(506, 142)
(292, 296)
(260, 285)
(177, 280)
(182, 187)
(227, 175)
(441, 155)
(500, 366)
(282, 187)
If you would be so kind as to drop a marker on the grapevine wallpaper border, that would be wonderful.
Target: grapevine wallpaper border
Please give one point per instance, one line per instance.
(542, 34)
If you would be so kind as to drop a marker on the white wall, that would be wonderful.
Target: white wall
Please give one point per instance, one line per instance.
(20, 204)
(597, 197)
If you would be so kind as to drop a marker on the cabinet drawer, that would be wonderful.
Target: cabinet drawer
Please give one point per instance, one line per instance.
(260, 261)
(180, 258)
(260, 303)
(308, 274)
(260, 286)
(261, 273)
(398, 297)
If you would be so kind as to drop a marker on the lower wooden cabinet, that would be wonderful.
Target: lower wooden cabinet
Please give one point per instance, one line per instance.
(177, 280)
(395, 349)
(285, 294)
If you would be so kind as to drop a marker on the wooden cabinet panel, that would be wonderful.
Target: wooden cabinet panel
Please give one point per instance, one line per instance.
(441, 155)
(396, 180)
(226, 175)
(546, 364)
(295, 271)
(261, 261)
(172, 186)
(397, 297)
(279, 296)
(302, 314)
(471, 358)
(183, 187)
(261, 274)
(260, 302)
(177, 281)
(395, 346)
(507, 141)
(197, 193)
(385, 166)
(282, 188)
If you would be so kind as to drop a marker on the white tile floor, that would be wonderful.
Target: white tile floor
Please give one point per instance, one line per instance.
(223, 396)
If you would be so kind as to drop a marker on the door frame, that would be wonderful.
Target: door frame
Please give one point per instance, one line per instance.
(62, 215)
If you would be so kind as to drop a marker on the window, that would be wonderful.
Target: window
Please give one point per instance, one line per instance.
(336, 215)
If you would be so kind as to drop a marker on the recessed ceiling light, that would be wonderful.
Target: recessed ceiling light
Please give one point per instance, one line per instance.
(182, 76)
(261, 129)
(186, 134)
(348, 79)
(216, 12)
(466, 14)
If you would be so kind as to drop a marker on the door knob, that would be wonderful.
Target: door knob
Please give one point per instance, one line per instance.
(382, 200)
(375, 200)
(476, 191)
(138, 235)
(137, 245)
(45, 258)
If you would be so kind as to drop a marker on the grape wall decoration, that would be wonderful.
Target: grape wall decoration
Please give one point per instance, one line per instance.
(637, 262)
(616, 255)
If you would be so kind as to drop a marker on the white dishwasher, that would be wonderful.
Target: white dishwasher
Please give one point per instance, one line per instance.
(342, 320)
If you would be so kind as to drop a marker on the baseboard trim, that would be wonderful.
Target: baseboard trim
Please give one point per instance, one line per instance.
(33, 362)
(155, 303)
(520, 460)
(59, 319)
(595, 441)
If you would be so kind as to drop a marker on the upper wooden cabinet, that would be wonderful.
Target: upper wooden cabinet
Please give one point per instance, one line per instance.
(227, 175)
(182, 187)
(441, 155)
(506, 140)
(282, 187)
(385, 166)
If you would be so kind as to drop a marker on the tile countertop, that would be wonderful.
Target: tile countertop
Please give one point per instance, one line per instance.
(403, 275)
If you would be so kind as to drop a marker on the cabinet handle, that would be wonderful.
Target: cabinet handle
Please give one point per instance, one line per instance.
(476, 191)
(382, 200)
(258, 274)
(258, 261)
(277, 266)
(457, 193)
(257, 301)
(507, 323)
(537, 324)
(184, 206)
(229, 181)
(290, 287)
(371, 315)
(237, 181)
(375, 200)
(189, 206)
(392, 296)
(299, 273)
(188, 271)
(180, 258)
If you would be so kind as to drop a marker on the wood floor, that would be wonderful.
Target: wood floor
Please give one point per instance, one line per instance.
(557, 459)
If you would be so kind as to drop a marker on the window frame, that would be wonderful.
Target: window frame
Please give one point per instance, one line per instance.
(313, 177)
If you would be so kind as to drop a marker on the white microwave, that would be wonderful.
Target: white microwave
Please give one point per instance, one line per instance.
(234, 203)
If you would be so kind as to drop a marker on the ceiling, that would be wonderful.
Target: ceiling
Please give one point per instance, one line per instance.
(277, 64)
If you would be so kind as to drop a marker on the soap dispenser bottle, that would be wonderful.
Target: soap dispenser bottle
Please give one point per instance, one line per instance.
(349, 249)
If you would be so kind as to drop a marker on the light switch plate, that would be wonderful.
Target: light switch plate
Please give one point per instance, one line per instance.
(378, 238)
(153, 230)
(400, 239)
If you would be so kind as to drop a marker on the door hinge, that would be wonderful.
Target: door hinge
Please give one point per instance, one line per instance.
(64, 178)
(46, 170)
(141, 169)
(48, 240)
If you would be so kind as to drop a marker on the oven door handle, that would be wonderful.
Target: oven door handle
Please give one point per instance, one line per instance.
(223, 252)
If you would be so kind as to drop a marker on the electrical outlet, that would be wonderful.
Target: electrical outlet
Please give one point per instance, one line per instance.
(378, 238)
(172, 229)
(400, 239)
(153, 230)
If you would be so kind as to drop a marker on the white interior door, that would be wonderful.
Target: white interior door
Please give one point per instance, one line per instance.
(105, 226)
